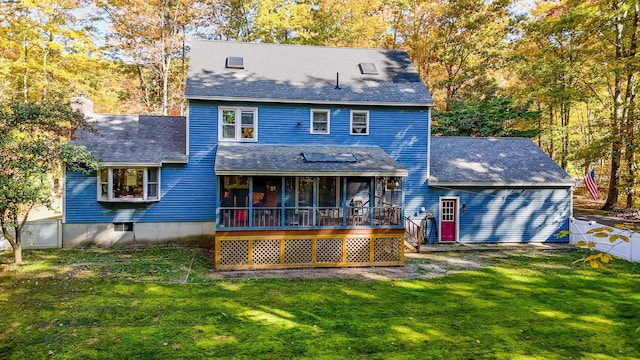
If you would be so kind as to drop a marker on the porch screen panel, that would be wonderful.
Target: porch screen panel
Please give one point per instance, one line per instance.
(358, 188)
(328, 191)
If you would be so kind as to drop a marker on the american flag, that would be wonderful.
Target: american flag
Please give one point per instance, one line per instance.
(590, 183)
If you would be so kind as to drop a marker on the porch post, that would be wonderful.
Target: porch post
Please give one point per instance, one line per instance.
(344, 201)
(218, 202)
(372, 201)
(250, 202)
(315, 200)
(283, 200)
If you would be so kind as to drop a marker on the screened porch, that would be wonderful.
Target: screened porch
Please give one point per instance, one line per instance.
(303, 202)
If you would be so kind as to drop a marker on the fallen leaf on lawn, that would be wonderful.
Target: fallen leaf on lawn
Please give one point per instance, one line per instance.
(12, 327)
(91, 341)
(176, 346)
(224, 337)
(50, 353)
(135, 302)
(478, 341)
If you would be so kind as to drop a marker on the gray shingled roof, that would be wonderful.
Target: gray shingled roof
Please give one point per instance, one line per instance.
(493, 162)
(133, 139)
(295, 73)
(283, 160)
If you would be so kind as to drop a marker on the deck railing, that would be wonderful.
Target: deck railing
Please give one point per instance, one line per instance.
(413, 232)
(310, 217)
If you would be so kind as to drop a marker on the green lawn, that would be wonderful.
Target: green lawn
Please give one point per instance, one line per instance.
(160, 303)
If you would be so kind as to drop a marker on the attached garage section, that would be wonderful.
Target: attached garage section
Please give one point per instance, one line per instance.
(496, 190)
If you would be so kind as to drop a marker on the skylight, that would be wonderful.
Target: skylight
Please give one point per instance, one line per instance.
(235, 62)
(326, 157)
(368, 68)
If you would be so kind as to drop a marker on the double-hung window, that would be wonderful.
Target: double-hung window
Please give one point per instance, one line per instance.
(320, 123)
(129, 184)
(359, 122)
(238, 124)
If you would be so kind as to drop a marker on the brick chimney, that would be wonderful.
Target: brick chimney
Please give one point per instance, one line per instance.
(82, 104)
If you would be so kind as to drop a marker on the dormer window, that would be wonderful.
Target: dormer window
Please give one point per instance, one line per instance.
(368, 69)
(235, 62)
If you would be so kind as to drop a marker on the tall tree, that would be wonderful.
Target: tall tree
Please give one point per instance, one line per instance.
(491, 116)
(229, 20)
(151, 35)
(33, 145)
(44, 47)
(616, 25)
(283, 21)
(553, 69)
(456, 44)
(353, 23)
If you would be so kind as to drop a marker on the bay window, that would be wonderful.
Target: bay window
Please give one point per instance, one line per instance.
(129, 184)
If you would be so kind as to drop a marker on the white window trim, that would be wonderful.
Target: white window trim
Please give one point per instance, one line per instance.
(351, 122)
(145, 184)
(238, 111)
(326, 111)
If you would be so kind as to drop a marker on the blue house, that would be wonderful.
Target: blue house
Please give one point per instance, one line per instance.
(306, 156)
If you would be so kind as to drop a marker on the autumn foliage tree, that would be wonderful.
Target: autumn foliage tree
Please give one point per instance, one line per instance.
(33, 146)
(152, 36)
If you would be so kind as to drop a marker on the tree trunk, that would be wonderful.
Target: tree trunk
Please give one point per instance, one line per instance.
(25, 76)
(614, 176)
(565, 116)
(17, 254)
(616, 147)
(617, 116)
(14, 240)
(630, 113)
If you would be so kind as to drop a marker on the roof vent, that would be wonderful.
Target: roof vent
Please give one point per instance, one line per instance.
(368, 69)
(235, 62)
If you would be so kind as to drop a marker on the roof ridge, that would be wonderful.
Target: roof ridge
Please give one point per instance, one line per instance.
(295, 45)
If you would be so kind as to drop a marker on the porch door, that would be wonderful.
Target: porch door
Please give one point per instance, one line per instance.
(448, 211)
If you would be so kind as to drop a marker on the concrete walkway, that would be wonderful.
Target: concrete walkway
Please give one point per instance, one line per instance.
(494, 247)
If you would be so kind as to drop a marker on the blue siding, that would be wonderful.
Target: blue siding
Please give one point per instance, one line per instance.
(401, 132)
(508, 215)
(187, 190)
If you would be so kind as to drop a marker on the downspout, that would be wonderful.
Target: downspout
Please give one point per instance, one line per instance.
(428, 143)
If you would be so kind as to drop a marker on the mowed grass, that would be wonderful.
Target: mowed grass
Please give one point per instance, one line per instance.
(161, 303)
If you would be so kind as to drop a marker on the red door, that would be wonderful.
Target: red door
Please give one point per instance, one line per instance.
(448, 220)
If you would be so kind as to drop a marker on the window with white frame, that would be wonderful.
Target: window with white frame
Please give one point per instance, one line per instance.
(359, 122)
(238, 124)
(320, 123)
(129, 184)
